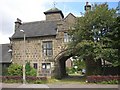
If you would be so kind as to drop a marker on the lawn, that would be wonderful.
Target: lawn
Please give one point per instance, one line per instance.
(69, 79)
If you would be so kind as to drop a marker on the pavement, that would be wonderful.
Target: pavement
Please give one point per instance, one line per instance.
(6, 86)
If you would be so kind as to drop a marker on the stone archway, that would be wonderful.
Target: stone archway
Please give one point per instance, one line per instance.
(60, 66)
(92, 67)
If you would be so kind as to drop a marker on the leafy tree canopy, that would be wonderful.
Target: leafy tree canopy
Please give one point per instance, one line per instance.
(96, 34)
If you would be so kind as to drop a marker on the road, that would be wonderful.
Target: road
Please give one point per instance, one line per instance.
(57, 86)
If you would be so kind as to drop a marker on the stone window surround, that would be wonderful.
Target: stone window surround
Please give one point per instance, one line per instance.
(47, 48)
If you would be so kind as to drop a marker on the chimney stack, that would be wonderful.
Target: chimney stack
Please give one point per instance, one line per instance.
(87, 7)
(17, 24)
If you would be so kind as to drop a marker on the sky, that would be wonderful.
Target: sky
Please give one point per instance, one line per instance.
(32, 10)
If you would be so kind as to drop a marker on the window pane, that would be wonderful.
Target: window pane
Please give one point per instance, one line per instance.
(44, 52)
(48, 66)
(43, 66)
(50, 52)
(47, 48)
(35, 65)
(66, 37)
(44, 45)
(49, 45)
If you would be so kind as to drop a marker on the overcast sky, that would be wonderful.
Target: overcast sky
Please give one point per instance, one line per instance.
(32, 10)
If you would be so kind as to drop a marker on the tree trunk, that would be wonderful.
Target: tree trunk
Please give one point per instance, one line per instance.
(92, 67)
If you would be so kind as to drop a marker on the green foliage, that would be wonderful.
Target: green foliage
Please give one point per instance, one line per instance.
(70, 70)
(80, 64)
(96, 35)
(33, 72)
(15, 70)
(19, 79)
(30, 71)
(28, 68)
(38, 82)
(109, 82)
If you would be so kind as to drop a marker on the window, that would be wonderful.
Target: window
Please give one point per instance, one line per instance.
(46, 66)
(47, 48)
(66, 37)
(35, 65)
(43, 66)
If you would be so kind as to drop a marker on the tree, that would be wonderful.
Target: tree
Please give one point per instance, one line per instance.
(15, 70)
(27, 68)
(91, 40)
(30, 71)
(112, 42)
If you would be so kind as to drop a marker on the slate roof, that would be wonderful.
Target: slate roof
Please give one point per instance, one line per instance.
(5, 57)
(37, 29)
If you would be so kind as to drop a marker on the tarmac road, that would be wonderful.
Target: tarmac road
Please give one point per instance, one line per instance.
(60, 86)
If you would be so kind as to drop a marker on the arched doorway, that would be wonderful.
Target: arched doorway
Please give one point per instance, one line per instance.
(92, 67)
(60, 67)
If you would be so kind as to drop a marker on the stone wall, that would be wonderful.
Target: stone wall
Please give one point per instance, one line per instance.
(52, 17)
(33, 47)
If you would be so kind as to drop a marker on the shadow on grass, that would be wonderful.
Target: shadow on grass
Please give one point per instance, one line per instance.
(74, 78)
(70, 79)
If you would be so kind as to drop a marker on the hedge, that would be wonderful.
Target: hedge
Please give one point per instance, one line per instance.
(98, 78)
(19, 79)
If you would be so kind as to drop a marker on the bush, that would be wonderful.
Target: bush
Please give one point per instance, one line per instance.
(15, 70)
(27, 69)
(19, 79)
(70, 70)
(33, 72)
(11, 79)
(103, 79)
(36, 80)
(30, 71)
(110, 82)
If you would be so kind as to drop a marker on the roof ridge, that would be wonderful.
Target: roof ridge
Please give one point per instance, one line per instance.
(53, 9)
(70, 14)
(5, 44)
(39, 21)
(32, 22)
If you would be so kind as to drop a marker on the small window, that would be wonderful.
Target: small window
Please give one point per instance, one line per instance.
(46, 66)
(66, 37)
(43, 66)
(35, 65)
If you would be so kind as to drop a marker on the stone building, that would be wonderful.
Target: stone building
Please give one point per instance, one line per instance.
(69, 63)
(5, 58)
(44, 42)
